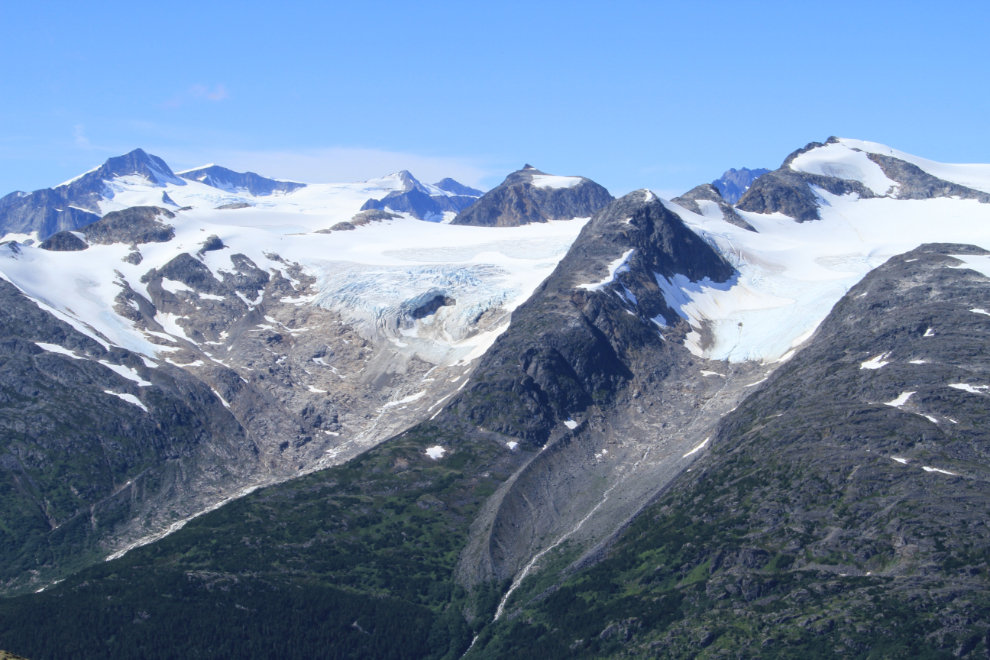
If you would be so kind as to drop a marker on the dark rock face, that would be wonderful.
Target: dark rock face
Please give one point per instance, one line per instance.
(44, 211)
(230, 181)
(517, 201)
(75, 204)
(570, 347)
(417, 200)
(915, 183)
(822, 510)
(64, 241)
(136, 225)
(452, 186)
(707, 191)
(420, 204)
(733, 184)
(190, 271)
(233, 206)
(76, 462)
(371, 215)
(431, 305)
(789, 192)
(211, 244)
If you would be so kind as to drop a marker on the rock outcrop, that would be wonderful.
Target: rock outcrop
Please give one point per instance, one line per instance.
(530, 195)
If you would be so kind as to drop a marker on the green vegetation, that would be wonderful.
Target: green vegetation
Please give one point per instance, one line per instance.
(354, 561)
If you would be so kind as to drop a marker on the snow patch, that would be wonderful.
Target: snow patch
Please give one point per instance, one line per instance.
(129, 398)
(55, 348)
(902, 461)
(408, 399)
(614, 268)
(571, 424)
(900, 400)
(436, 452)
(931, 469)
(175, 287)
(698, 448)
(126, 372)
(972, 389)
(551, 181)
(876, 362)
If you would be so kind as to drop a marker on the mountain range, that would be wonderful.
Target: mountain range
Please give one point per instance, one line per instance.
(545, 423)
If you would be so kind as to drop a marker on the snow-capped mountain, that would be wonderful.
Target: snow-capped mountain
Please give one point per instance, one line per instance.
(141, 179)
(318, 343)
(230, 181)
(529, 195)
(432, 203)
(542, 378)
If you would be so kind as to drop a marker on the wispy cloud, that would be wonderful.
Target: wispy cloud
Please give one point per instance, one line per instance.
(79, 136)
(199, 92)
(338, 164)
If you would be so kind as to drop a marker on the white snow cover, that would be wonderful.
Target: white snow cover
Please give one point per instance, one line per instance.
(129, 398)
(614, 268)
(975, 176)
(126, 372)
(791, 274)
(876, 362)
(436, 452)
(841, 162)
(369, 275)
(55, 348)
(900, 400)
(931, 469)
(698, 448)
(902, 461)
(551, 181)
(972, 389)
(571, 424)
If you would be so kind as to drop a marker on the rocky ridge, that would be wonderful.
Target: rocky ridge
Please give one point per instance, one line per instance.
(837, 506)
(224, 179)
(529, 195)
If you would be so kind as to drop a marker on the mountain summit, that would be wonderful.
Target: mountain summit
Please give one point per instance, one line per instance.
(424, 201)
(529, 195)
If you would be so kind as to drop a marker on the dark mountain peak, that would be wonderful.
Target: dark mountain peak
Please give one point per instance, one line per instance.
(451, 186)
(733, 184)
(134, 163)
(524, 198)
(231, 181)
(527, 166)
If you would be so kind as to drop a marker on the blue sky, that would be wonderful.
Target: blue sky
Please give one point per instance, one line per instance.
(663, 95)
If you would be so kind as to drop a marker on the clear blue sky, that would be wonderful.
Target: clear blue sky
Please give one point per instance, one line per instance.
(663, 95)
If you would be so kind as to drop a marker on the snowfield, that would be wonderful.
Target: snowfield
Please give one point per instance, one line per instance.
(791, 274)
(372, 276)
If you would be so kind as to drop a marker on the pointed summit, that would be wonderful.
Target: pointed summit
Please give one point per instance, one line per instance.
(421, 201)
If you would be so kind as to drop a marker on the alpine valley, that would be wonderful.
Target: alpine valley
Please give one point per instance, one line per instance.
(246, 417)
